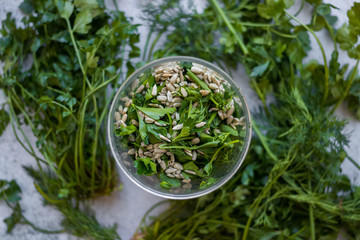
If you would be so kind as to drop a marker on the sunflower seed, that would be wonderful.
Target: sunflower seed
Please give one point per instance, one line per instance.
(194, 85)
(173, 78)
(221, 115)
(131, 151)
(177, 100)
(187, 186)
(124, 99)
(177, 116)
(204, 92)
(242, 120)
(190, 172)
(194, 155)
(201, 152)
(117, 116)
(178, 127)
(181, 76)
(128, 103)
(155, 105)
(124, 118)
(122, 123)
(217, 131)
(125, 110)
(230, 111)
(232, 125)
(177, 175)
(120, 109)
(160, 124)
(213, 86)
(132, 138)
(196, 70)
(150, 147)
(184, 92)
(162, 165)
(200, 124)
(186, 181)
(170, 175)
(140, 89)
(141, 114)
(161, 98)
(166, 75)
(149, 120)
(148, 154)
(169, 96)
(170, 87)
(159, 70)
(134, 84)
(178, 166)
(170, 170)
(174, 123)
(229, 120)
(177, 105)
(188, 152)
(154, 90)
(213, 109)
(164, 138)
(195, 140)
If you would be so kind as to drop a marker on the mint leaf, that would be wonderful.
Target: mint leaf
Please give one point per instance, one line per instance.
(142, 130)
(208, 168)
(156, 113)
(9, 191)
(145, 166)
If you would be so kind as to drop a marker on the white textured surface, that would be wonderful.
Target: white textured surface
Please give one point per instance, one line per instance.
(128, 206)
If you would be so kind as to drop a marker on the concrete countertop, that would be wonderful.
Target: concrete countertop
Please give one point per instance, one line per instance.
(127, 207)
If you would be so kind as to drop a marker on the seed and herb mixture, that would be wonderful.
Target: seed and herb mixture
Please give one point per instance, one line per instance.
(179, 120)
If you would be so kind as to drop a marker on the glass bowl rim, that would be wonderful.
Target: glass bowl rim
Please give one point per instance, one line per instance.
(205, 191)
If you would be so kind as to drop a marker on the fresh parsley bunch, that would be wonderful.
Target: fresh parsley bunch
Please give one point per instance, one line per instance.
(57, 68)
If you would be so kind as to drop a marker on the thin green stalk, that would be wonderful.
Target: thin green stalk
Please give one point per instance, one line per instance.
(312, 222)
(263, 141)
(300, 9)
(94, 147)
(230, 26)
(282, 34)
(348, 85)
(77, 55)
(325, 96)
(147, 43)
(154, 43)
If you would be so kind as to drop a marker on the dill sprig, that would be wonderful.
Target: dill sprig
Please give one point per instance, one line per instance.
(290, 185)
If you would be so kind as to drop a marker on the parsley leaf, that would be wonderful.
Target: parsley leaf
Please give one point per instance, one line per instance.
(156, 113)
(167, 182)
(145, 166)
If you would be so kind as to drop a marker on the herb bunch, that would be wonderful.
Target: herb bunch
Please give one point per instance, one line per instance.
(291, 185)
(57, 68)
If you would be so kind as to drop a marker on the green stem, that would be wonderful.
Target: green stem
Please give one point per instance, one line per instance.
(230, 26)
(147, 43)
(348, 86)
(217, 151)
(301, 8)
(263, 141)
(77, 55)
(325, 96)
(202, 84)
(154, 43)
